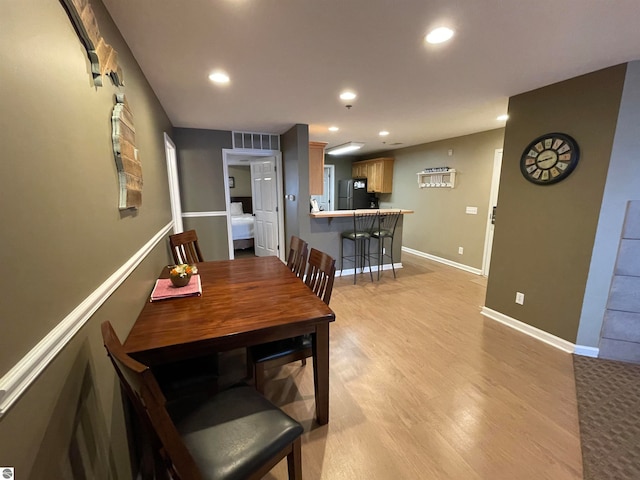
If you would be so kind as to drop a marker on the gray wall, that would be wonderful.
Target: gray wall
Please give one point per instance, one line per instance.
(623, 185)
(199, 154)
(295, 162)
(621, 328)
(544, 235)
(63, 235)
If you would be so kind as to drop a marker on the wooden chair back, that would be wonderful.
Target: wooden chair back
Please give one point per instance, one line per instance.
(321, 274)
(185, 248)
(141, 387)
(297, 260)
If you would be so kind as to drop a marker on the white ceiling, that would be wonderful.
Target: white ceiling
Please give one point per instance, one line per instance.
(289, 59)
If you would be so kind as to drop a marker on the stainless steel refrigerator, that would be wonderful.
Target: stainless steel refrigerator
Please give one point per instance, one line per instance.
(352, 194)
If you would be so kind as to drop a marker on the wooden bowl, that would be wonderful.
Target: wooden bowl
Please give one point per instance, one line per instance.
(179, 281)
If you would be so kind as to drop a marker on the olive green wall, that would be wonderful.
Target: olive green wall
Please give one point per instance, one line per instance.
(242, 177)
(63, 235)
(544, 235)
(440, 225)
(200, 173)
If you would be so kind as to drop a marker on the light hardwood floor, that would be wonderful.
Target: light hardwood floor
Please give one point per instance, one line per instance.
(424, 387)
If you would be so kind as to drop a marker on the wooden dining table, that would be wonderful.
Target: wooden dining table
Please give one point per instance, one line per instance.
(244, 302)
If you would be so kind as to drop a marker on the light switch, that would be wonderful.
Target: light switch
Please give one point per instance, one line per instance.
(472, 210)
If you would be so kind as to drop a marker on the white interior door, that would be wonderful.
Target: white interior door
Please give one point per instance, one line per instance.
(493, 203)
(265, 206)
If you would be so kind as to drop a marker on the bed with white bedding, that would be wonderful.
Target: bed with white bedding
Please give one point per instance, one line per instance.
(241, 223)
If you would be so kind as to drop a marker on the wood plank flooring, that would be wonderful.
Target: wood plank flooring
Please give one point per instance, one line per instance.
(424, 387)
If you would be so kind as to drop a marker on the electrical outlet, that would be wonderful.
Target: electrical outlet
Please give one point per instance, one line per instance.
(384, 250)
(460, 250)
(520, 298)
(471, 210)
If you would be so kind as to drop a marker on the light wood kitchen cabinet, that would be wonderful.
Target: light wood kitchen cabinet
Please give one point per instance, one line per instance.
(377, 171)
(359, 170)
(316, 167)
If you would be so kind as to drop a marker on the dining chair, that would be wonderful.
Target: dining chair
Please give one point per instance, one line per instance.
(195, 375)
(297, 260)
(385, 229)
(185, 248)
(236, 434)
(319, 278)
(360, 235)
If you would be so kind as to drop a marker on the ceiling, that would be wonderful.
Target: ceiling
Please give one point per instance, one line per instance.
(289, 59)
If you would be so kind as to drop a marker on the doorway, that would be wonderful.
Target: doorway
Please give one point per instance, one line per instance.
(253, 196)
(326, 201)
(493, 205)
(174, 187)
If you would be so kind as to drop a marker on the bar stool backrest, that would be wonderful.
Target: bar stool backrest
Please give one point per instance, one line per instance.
(364, 223)
(386, 224)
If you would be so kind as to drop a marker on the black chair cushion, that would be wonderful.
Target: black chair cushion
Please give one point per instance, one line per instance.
(354, 235)
(381, 233)
(280, 348)
(233, 433)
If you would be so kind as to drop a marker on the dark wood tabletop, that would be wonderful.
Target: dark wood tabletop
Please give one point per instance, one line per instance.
(244, 302)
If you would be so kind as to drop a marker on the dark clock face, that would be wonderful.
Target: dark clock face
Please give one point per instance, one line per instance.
(549, 158)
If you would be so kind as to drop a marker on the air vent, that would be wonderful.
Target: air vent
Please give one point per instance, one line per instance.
(395, 144)
(256, 141)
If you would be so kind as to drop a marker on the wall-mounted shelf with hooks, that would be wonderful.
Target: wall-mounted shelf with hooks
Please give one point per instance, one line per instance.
(442, 179)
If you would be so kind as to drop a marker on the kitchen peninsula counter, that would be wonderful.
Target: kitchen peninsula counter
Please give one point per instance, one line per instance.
(326, 228)
(349, 213)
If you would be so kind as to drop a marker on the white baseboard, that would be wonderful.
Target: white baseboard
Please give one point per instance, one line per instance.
(587, 351)
(16, 381)
(451, 263)
(538, 334)
(374, 269)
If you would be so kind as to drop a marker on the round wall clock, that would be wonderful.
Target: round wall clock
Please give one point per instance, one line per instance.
(549, 158)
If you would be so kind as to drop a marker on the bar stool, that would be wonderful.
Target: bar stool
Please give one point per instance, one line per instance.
(385, 228)
(363, 224)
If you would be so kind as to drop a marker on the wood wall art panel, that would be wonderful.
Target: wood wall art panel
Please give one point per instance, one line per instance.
(126, 154)
(103, 58)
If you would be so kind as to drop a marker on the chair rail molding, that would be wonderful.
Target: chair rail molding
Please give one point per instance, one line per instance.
(16, 381)
(221, 213)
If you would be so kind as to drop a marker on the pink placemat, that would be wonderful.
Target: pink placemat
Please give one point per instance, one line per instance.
(165, 289)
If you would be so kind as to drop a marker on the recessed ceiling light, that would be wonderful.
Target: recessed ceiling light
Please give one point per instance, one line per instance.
(383, 133)
(219, 77)
(502, 118)
(333, 129)
(439, 35)
(347, 95)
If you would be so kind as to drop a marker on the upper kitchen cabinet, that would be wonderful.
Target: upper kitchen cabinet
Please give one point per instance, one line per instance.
(377, 171)
(316, 167)
(359, 170)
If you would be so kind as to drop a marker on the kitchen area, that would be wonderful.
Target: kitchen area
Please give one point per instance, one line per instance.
(364, 186)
